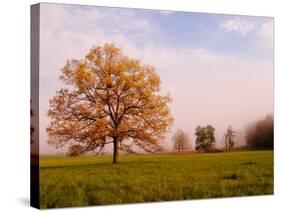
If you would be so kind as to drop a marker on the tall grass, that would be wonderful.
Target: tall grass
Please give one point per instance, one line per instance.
(89, 180)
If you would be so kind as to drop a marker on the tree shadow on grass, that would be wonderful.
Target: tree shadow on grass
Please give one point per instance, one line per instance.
(88, 165)
(103, 164)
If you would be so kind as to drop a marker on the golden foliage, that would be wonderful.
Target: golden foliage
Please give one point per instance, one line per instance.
(108, 98)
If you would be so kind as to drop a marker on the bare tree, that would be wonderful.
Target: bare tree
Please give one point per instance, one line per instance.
(229, 138)
(181, 141)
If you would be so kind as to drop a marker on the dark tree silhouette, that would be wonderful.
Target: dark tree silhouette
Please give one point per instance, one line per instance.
(32, 129)
(260, 134)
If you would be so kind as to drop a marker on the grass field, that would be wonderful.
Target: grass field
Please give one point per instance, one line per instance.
(89, 180)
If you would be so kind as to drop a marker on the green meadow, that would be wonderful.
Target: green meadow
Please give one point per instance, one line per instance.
(94, 180)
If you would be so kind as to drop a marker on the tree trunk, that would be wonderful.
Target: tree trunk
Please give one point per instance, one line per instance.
(115, 151)
(226, 147)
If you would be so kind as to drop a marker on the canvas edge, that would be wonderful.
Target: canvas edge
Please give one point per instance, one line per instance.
(34, 104)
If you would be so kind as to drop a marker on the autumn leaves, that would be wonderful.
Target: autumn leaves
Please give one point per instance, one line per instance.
(108, 98)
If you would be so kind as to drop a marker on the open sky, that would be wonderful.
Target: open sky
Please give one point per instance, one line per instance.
(217, 68)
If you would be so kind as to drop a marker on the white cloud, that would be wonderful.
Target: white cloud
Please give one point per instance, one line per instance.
(265, 35)
(166, 12)
(238, 25)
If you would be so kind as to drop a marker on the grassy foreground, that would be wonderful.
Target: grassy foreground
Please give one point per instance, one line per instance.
(89, 180)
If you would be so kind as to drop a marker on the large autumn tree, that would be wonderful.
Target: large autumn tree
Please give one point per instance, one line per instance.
(108, 99)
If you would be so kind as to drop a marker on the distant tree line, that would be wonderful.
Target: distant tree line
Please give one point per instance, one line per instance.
(259, 134)
(205, 139)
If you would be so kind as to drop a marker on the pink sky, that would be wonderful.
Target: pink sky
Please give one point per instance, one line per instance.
(207, 86)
